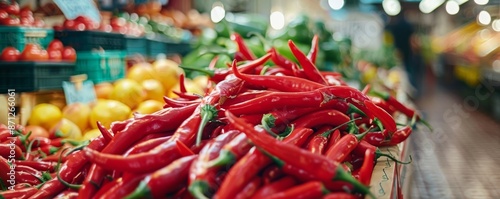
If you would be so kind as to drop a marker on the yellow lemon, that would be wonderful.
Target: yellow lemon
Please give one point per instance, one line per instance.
(168, 73)
(149, 106)
(108, 111)
(191, 88)
(128, 92)
(78, 113)
(89, 135)
(45, 115)
(141, 71)
(154, 89)
(67, 129)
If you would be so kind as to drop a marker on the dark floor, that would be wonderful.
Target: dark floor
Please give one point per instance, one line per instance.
(461, 158)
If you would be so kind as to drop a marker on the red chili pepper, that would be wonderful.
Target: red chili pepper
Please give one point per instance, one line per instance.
(299, 136)
(250, 188)
(313, 189)
(246, 96)
(104, 132)
(340, 195)
(221, 74)
(280, 60)
(74, 164)
(364, 174)
(226, 89)
(310, 69)
(196, 149)
(279, 72)
(67, 195)
(322, 117)
(21, 186)
(242, 47)
(272, 173)
(313, 53)
(107, 186)
(147, 145)
(123, 188)
(275, 187)
(25, 177)
(18, 141)
(182, 85)
(399, 136)
(396, 104)
(377, 138)
(333, 139)
(5, 172)
(11, 151)
(384, 117)
(384, 105)
(47, 149)
(201, 177)
(280, 83)
(166, 180)
(19, 193)
(319, 166)
(186, 95)
(232, 151)
(179, 103)
(183, 149)
(343, 148)
(337, 75)
(319, 142)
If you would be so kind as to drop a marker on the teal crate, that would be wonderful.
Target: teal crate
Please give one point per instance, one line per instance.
(182, 48)
(101, 66)
(18, 37)
(91, 40)
(34, 76)
(136, 45)
(157, 45)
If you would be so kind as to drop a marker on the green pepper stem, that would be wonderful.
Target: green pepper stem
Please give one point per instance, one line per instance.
(384, 96)
(207, 113)
(225, 157)
(58, 174)
(210, 73)
(353, 109)
(268, 122)
(379, 153)
(342, 175)
(140, 192)
(198, 189)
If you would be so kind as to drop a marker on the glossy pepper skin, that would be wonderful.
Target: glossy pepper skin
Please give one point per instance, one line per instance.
(312, 189)
(166, 180)
(364, 174)
(310, 69)
(242, 47)
(386, 119)
(319, 166)
(319, 141)
(275, 187)
(19, 193)
(322, 117)
(250, 188)
(232, 151)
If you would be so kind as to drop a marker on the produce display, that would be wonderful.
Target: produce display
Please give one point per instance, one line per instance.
(34, 52)
(12, 15)
(265, 126)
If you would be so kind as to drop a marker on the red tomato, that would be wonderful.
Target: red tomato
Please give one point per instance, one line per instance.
(25, 12)
(56, 44)
(11, 21)
(106, 28)
(44, 55)
(80, 26)
(10, 54)
(27, 21)
(89, 23)
(55, 54)
(69, 24)
(3, 14)
(58, 27)
(69, 54)
(13, 8)
(31, 52)
(36, 131)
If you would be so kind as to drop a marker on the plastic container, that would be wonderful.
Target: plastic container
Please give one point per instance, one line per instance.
(91, 40)
(136, 45)
(34, 76)
(178, 48)
(157, 45)
(18, 37)
(101, 66)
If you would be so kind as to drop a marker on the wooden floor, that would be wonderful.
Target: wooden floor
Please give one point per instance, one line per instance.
(461, 158)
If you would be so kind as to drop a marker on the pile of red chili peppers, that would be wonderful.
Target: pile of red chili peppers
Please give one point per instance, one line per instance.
(285, 131)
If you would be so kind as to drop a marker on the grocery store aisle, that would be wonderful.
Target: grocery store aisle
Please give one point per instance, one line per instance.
(460, 158)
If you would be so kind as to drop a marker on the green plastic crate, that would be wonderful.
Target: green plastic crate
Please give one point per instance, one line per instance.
(91, 40)
(136, 45)
(34, 76)
(101, 66)
(181, 48)
(18, 37)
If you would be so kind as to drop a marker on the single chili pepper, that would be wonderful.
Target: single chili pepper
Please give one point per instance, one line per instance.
(242, 47)
(280, 60)
(154, 136)
(22, 186)
(250, 188)
(221, 74)
(299, 136)
(343, 148)
(272, 173)
(183, 149)
(226, 89)
(74, 164)
(245, 96)
(313, 52)
(399, 136)
(275, 187)
(280, 83)
(106, 187)
(310, 69)
(179, 103)
(319, 166)
(123, 188)
(164, 181)
(11, 151)
(313, 189)
(18, 193)
(196, 149)
(319, 141)
(29, 170)
(364, 146)
(340, 195)
(146, 145)
(377, 138)
(364, 174)
(182, 85)
(25, 177)
(322, 117)
(384, 105)
(279, 72)
(384, 117)
(201, 177)
(333, 139)
(16, 141)
(4, 134)
(105, 133)
(232, 151)
(186, 95)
